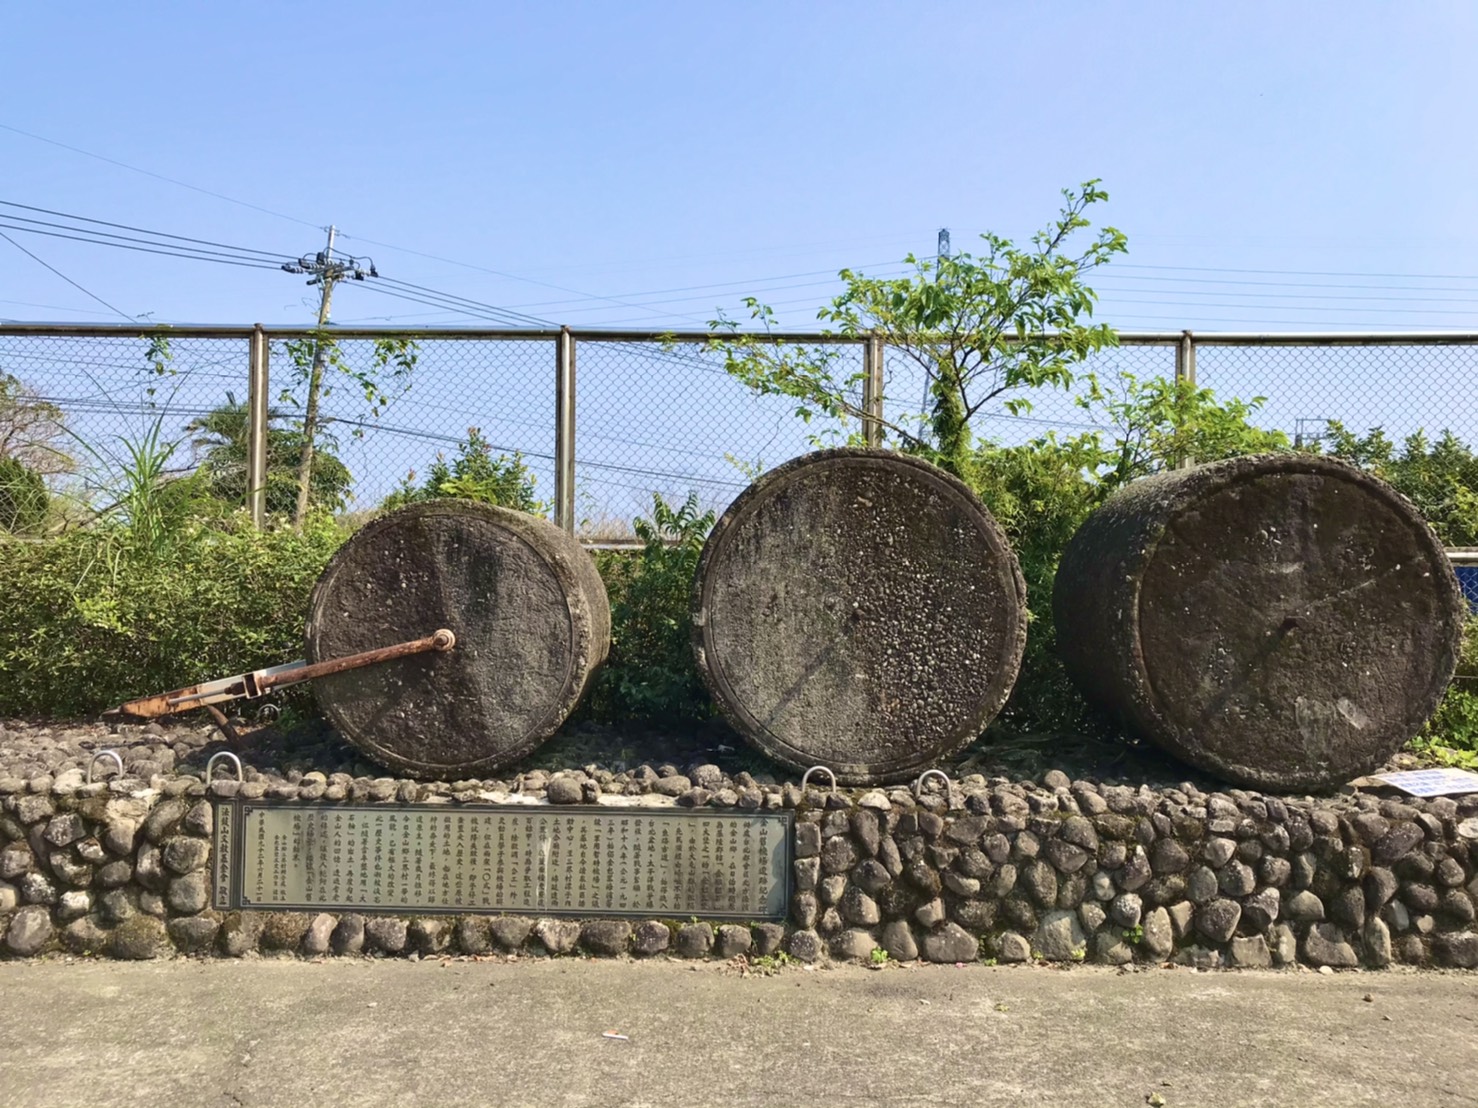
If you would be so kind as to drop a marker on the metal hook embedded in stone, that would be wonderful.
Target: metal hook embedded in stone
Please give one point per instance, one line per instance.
(806, 777)
(117, 761)
(210, 766)
(918, 786)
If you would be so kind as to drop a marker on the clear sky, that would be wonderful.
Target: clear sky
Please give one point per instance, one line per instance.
(592, 163)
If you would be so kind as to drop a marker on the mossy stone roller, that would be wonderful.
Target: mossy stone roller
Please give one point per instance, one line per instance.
(1283, 621)
(531, 621)
(861, 610)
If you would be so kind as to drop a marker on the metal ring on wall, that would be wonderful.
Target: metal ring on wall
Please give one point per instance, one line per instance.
(806, 777)
(918, 786)
(210, 766)
(117, 761)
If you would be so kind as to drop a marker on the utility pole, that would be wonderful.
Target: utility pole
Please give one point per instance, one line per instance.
(326, 272)
(941, 250)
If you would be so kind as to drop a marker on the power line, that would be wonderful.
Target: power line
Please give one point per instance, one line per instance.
(272, 254)
(64, 277)
(159, 176)
(173, 253)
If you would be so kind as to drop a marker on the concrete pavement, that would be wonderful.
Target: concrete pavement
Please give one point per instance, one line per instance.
(531, 1033)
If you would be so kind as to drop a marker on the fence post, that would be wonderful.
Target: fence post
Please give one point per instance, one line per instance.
(872, 390)
(1185, 358)
(256, 427)
(564, 431)
(1185, 370)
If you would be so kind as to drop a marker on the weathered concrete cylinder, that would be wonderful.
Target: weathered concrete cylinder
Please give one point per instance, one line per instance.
(1283, 621)
(527, 607)
(861, 610)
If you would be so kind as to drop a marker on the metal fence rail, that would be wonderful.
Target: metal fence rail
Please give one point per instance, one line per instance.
(605, 419)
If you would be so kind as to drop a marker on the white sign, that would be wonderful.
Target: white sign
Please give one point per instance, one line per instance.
(1432, 782)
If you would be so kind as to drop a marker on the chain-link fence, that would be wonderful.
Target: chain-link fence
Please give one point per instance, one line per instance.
(604, 420)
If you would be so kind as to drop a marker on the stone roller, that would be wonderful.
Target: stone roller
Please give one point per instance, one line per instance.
(1284, 621)
(861, 610)
(528, 611)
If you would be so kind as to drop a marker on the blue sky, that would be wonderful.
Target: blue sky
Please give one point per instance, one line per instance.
(631, 152)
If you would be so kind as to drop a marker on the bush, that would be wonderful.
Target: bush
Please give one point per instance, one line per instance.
(1451, 735)
(23, 497)
(1042, 491)
(650, 674)
(473, 475)
(95, 617)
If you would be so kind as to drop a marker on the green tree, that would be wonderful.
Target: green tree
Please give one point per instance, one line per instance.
(1440, 478)
(474, 474)
(1041, 492)
(23, 497)
(319, 366)
(220, 441)
(33, 431)
(983, 328)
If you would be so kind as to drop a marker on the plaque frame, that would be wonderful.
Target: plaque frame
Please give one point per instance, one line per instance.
(230, 857)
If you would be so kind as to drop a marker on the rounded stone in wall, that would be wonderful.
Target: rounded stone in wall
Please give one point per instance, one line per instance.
(859, 609)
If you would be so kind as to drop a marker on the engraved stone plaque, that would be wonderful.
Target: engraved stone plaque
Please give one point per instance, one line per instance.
(583, 861)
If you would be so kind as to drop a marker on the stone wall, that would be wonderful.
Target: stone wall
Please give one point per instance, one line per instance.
(1061, 871)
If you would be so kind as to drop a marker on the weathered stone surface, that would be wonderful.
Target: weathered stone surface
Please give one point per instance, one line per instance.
(1110, 948)
(807, 871)
(64, 829)
(1459, 949)
(1059, 937)
(1217, 919)
(838, 855)
(1236, 879)
(1303, 907)
(1347, 908)
(1135, 871)
(805, 908)
(1201, 885)
(804, 946)
(732, 940)
(607, 936)
(283, 931)
(559, 936)
(1126, 910)
(36, 888)
(1013, 947)
(1213, 591)
(931, 913)
(950, 943)
(483, 570)
(348, 935)
(84, 936)
(1401, 838)
(853, 945)
(1377, 938)
(188, 894)
(563, 789)
(194, 934)
(319, 936)
(139, 938)
(164, 820)
(388, 935)
(694, 940)
(651, 937)
(473, 936)
(807, 840)
(859, 908)
(831, 888)
(1159, 939)
(1249, 953)
(927, 571)
(899, 942)
(870, 876)
(1325, 945)
(1039, 880)
(1261, 908)
(30, 931)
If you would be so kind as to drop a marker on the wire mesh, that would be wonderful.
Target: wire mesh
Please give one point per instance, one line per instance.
(432, 393)
(653, 417)
(667, 419)
(110, 395)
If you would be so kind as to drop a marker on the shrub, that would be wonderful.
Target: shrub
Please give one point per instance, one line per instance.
(1042, 491)
(95, 617)
(650, 674)
(474, 474)
(23, 497)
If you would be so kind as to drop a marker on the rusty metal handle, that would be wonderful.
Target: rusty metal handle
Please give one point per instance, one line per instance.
(441, 640)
